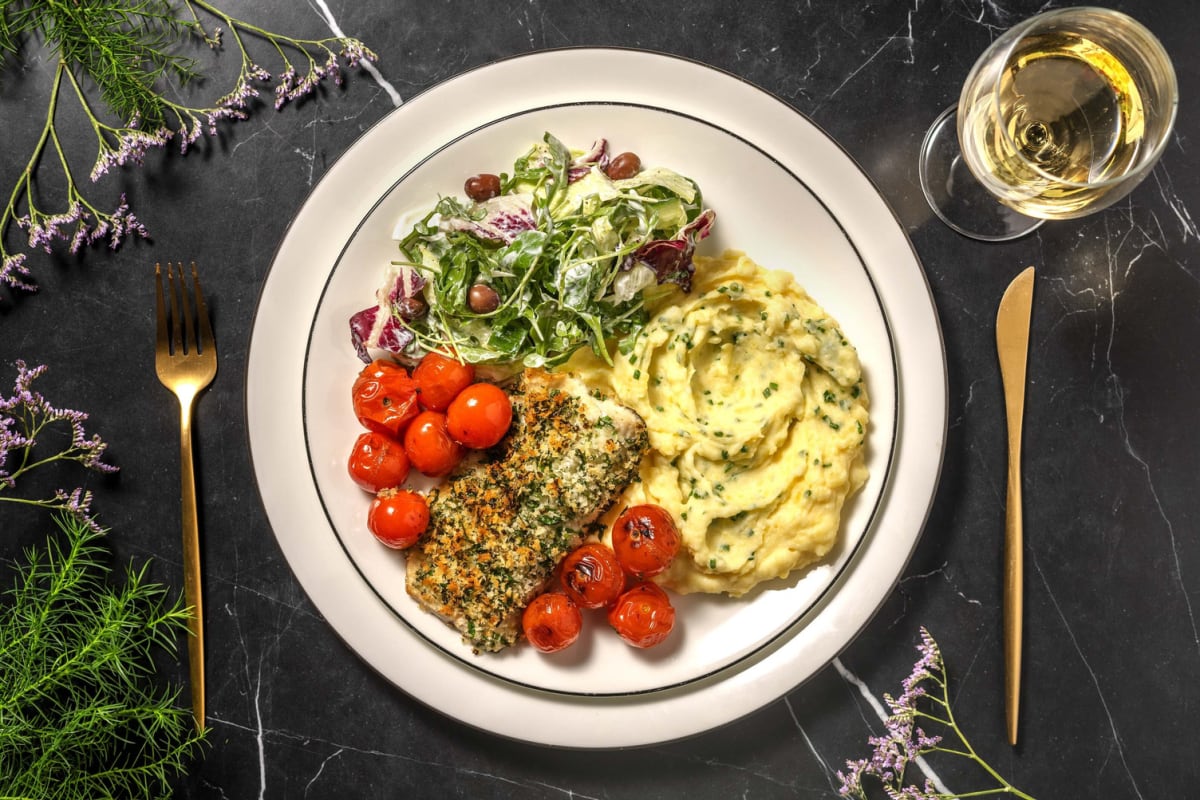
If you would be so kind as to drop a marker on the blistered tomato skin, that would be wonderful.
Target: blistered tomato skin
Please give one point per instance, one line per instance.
(552, 622)
(385, 398)
(378, 462)
(643, 616)
(439, 380)
(591, 576)
(645, 540)
(480, 415)
(430, 448)
(398, 517)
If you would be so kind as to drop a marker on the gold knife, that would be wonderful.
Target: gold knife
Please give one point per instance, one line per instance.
(1012, 346)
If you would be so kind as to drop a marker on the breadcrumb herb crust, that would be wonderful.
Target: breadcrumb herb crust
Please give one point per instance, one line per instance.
(499, 528)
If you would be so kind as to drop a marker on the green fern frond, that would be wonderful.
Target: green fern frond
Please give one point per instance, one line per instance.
(81, 711)
(125, 46)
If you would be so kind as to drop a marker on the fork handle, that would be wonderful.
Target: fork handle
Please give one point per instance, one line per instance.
(191, 562)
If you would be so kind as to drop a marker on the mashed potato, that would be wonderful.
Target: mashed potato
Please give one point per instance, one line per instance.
(757, 417)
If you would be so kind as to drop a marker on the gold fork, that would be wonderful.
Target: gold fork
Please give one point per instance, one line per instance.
(186, 363)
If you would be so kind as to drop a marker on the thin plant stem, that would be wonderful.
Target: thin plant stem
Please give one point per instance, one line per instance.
(126, 54)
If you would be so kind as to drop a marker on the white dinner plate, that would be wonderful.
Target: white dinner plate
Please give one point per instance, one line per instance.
(785, 194)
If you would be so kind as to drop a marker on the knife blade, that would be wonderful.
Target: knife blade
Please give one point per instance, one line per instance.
(1012, 347)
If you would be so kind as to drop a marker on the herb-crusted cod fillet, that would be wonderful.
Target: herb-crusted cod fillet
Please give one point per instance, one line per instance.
(498, 529)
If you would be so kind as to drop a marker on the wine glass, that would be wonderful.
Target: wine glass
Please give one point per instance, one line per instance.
(1063, 115)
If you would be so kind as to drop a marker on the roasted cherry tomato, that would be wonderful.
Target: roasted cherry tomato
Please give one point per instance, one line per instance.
(645, 540)
(439, 379)
(591, 576)
(385, 397)
(398, 517)
(378, 462)
(429, 446)
(480, 415)
(551, 622)
(643, 616)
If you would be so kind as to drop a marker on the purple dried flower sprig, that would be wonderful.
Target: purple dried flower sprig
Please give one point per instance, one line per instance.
(79, 223)
(905, 742)
(24, 417)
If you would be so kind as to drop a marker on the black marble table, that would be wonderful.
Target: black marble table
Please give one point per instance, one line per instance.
(1111, 690)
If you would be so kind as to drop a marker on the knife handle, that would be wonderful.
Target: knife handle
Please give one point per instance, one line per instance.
(1013, 591)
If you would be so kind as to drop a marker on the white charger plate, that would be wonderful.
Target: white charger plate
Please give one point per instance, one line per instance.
(785, 194)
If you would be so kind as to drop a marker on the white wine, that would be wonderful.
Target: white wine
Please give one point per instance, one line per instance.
(1066, 119)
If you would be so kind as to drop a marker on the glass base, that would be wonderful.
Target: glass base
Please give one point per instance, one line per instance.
(956, 196)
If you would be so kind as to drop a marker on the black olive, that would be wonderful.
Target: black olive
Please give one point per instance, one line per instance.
(623, 166)
(412, 307)
(482, 187)
(482, 299)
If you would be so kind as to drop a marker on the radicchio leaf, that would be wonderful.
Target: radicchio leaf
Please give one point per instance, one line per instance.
(597, 155)
(361, 325)
(700, 227)
(377, 327)
(503, 218)
(407, 285)
(671, 259)
(581, 165)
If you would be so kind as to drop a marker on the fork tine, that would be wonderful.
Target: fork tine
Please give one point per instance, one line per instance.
(176, 324)
(188, 331)
(205, 340)
(163, 339)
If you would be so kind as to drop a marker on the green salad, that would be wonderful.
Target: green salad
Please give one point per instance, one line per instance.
(568, 250)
